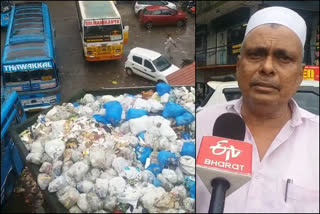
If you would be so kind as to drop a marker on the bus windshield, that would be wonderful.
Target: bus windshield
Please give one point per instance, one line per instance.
(42, 75)
(102, 33)
(26, 76)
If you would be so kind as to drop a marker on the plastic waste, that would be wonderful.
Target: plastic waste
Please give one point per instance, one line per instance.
(163, 88)
(184, 119)
(188, 148)
(167, 159)
(43, 180)
(85, 186)
(172, 109)
(101, 187)
(113, 112)
(135, 113)
(70, 198)
(187, 164)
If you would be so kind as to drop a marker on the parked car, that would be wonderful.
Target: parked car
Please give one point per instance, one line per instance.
(307, 95)
(149, 64)
(140, 5)
(162, 15)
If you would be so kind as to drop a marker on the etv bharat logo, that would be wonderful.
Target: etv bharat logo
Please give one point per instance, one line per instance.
(228, 150)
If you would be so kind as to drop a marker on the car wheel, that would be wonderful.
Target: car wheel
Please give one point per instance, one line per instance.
(180, 23)
(148, 25)
(129, 71)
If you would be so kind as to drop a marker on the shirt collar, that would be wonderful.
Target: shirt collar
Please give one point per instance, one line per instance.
(297, 113)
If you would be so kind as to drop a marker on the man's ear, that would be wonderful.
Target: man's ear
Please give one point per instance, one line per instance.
(237, 64)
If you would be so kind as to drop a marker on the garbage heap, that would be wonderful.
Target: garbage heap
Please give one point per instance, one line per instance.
(129, 153)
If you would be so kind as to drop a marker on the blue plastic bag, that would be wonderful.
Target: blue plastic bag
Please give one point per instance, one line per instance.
(113, 112)
(157, 182)
(172, 109)
(141, 135)
(143, 153)
(166, 159)
(188, 148)
(186, 136)
(188, 182)
(154, 168)
(163, 88)
(75, 104)
(184, 119)
(101, 119)
(135, 113)
(193, 190)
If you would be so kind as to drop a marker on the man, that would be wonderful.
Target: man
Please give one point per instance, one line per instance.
(168, 46)
(285, 137)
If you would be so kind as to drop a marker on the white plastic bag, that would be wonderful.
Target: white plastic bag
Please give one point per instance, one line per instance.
(116, 185)
(187, 164)
(75, 209)
(82, 202)
(170, 175)
(130, 195)
(43, 180)
(101, 187)
(85, 186)
(131, 173)
(55, 148)
(97, 157)
(164, 98)
(46, 167)
(119, 163)
(189, 204)
(94, 202)
(69, 198)
(88, 98)
(78, 170)
(110, 203)
(36, 153)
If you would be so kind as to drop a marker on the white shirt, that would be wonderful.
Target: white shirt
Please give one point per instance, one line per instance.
(293, 154)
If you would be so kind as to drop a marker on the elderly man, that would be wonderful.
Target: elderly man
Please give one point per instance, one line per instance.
(285, 137)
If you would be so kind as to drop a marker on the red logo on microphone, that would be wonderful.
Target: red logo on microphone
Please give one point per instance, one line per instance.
(227, 154)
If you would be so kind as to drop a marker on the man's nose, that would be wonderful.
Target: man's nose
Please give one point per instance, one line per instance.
(268, 66)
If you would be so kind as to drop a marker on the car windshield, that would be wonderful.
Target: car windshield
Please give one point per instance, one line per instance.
(308, 100)
(161, 63)
(16, 77)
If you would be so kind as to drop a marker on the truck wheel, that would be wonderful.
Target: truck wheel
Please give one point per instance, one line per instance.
(129, 71)
(180, 23)
(148, 25)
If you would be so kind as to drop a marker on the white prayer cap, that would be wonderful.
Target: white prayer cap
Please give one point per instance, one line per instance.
(282, 16)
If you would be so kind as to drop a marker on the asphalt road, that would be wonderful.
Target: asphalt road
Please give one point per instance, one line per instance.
(77, 74)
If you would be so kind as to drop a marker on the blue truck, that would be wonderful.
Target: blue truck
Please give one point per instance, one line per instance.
(28, 63)
(12, 113)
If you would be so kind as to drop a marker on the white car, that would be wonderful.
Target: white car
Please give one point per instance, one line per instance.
(307, 95)
(140, 5)
(149, 64)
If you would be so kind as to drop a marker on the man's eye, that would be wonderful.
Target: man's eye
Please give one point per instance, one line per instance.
(254, 55)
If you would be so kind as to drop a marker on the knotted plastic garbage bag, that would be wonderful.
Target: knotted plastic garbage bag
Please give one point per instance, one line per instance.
(188, 148)
(135, 113)
(163, 88)
(172, 109)
(142, 153)
(167, 159)
(155, 168)
(184, 119)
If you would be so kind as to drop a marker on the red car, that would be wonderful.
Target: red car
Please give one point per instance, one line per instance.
(162, 15)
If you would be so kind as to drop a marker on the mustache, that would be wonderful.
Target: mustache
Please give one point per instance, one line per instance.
(263, 82)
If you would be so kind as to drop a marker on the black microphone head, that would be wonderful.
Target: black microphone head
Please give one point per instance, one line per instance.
(229, 125)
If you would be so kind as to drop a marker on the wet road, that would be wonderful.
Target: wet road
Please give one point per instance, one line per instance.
(76, 73)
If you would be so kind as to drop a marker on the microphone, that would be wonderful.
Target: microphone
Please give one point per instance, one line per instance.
(224, 161)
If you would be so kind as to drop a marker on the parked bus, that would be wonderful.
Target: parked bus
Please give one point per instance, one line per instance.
(28, 60)
(5, 12)
(102, 32)
(12, 113)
